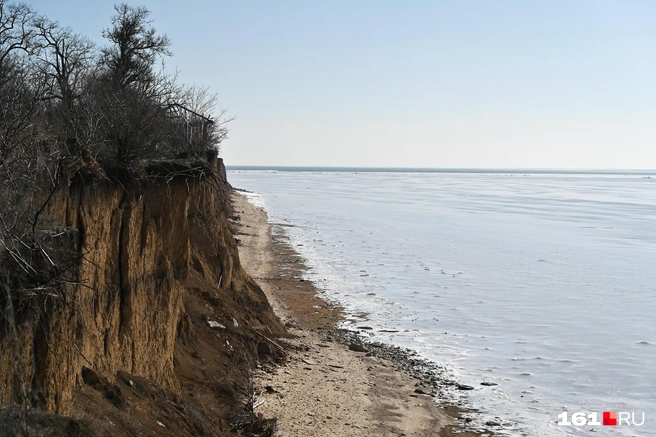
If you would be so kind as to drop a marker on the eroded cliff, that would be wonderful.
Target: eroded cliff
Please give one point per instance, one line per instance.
(126, 348)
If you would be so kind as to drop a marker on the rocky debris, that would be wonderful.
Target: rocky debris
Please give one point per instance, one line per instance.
(428, 373)
(489, 384)
(310, 361)
(214, 324)
(433, 379)
(358, 348)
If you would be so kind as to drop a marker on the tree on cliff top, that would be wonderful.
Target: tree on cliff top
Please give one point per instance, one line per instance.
(135, 47)
(16, 32)
(66, 107)
(141, 103)
(65, 60)
(132, 93)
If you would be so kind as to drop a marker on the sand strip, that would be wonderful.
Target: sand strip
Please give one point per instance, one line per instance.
(325, 388)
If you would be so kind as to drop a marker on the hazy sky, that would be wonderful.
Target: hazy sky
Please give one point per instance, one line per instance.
(529, 84)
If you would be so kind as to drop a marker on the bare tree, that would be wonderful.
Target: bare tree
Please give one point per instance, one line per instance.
(200, 99)
(16, 34)
(205, 104)
(27, 163)
(16, 81)
(65, 59)
(132, 93)
(135, 46)
(20, 94)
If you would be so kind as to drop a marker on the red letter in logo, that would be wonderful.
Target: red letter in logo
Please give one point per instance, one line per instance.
(610, 418)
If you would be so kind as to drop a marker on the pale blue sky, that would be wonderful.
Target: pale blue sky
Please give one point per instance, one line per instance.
(510, 84)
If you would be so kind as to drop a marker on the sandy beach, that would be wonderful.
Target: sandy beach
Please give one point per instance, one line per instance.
(325, 387)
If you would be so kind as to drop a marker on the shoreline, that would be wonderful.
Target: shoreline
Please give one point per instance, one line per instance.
(333, 382)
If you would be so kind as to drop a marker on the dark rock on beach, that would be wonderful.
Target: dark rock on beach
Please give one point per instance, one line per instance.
(357, 347)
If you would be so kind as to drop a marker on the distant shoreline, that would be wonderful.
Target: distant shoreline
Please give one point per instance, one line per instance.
(515, 171)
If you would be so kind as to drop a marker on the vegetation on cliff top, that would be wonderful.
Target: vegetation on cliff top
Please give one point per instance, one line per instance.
(70, 109)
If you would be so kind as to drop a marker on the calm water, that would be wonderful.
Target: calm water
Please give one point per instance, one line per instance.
(542, 283)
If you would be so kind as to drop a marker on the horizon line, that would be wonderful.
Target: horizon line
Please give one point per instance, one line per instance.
(443, 169)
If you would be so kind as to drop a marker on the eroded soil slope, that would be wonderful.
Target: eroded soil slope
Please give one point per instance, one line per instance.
(156, 336)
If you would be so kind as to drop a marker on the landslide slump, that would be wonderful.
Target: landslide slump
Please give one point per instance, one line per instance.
(127, 349)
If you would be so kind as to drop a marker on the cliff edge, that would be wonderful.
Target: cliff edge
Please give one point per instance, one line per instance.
(158, 329)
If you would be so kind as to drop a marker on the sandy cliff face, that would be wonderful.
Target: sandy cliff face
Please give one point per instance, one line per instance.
(152, 251)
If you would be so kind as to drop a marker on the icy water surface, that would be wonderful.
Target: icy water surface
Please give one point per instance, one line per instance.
(542, 283)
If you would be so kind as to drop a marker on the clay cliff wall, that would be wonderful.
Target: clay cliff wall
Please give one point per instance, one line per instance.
(151, 249)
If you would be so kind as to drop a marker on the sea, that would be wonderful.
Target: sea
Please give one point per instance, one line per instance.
(542, 282)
